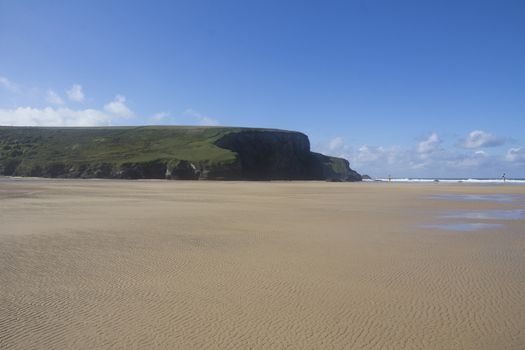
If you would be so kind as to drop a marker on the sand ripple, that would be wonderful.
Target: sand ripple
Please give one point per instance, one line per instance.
(185, 265)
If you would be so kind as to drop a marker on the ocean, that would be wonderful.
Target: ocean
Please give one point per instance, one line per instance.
(518, 181)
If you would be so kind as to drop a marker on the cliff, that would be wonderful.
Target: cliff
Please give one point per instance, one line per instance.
(166, 152)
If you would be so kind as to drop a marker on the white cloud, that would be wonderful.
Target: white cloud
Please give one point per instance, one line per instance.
(431, 144)
(336, 143)
(75, 93)
(336, 147)
(118, 107)
(49, 116)
(199, 118)
(368, 159)
(366, 154)
(53, 98)
(59, 115)
(479, 138)
(426, 159)
(7, 84)
(481, 153)
(381, 156)
(515, 155)
(160, 116)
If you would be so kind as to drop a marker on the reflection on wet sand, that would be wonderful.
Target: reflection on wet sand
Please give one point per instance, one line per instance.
(464, 226)
(492, 214)
(487, 215)
(501, 198)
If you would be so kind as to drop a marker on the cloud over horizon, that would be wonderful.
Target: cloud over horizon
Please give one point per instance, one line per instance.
(51, 116)
(200, 118)
(516, 155)
(58, 114)
(53, 98)
(160, 116)
(75, 93)
(119, 108)
(431, 144)
(428, 158)
(8, 85)
(479, 139)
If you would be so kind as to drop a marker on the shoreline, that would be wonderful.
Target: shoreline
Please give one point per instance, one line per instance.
(393, 181)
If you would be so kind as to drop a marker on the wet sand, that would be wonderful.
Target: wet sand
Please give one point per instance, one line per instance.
(238, 265)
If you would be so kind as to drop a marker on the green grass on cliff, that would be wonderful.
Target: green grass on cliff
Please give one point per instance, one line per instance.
(115, 145)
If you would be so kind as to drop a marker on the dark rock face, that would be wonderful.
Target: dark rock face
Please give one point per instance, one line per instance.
(266, 155)
(333, 169)
(10, 166)
(142, 170)
(103, 170)
(182, 170)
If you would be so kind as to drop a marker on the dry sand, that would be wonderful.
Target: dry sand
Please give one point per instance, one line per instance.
(297, 265)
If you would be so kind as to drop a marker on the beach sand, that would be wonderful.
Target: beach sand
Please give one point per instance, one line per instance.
(89, 264)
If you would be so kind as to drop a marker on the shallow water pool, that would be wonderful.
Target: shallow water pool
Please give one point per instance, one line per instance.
(487, 215)
(501, 198)
(463, 226)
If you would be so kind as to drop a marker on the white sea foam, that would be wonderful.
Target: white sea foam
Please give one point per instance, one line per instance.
(458, 180)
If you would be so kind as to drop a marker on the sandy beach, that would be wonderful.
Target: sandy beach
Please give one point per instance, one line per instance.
(100, 264)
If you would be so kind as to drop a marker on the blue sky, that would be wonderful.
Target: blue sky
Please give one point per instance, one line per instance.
(408, 88)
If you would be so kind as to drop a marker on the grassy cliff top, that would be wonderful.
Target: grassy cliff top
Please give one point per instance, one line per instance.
(118, 144)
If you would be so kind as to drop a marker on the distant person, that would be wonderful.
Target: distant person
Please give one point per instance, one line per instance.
(504, 177)
(389, 178)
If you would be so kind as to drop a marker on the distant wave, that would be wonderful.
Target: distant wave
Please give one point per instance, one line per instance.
(454, 180)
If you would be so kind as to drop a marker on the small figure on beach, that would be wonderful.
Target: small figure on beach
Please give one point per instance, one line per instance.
(504, 177)
(389, 177)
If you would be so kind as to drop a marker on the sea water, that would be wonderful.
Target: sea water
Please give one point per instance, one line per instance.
(454, 180)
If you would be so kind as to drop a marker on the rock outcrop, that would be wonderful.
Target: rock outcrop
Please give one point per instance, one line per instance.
(271, 155)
